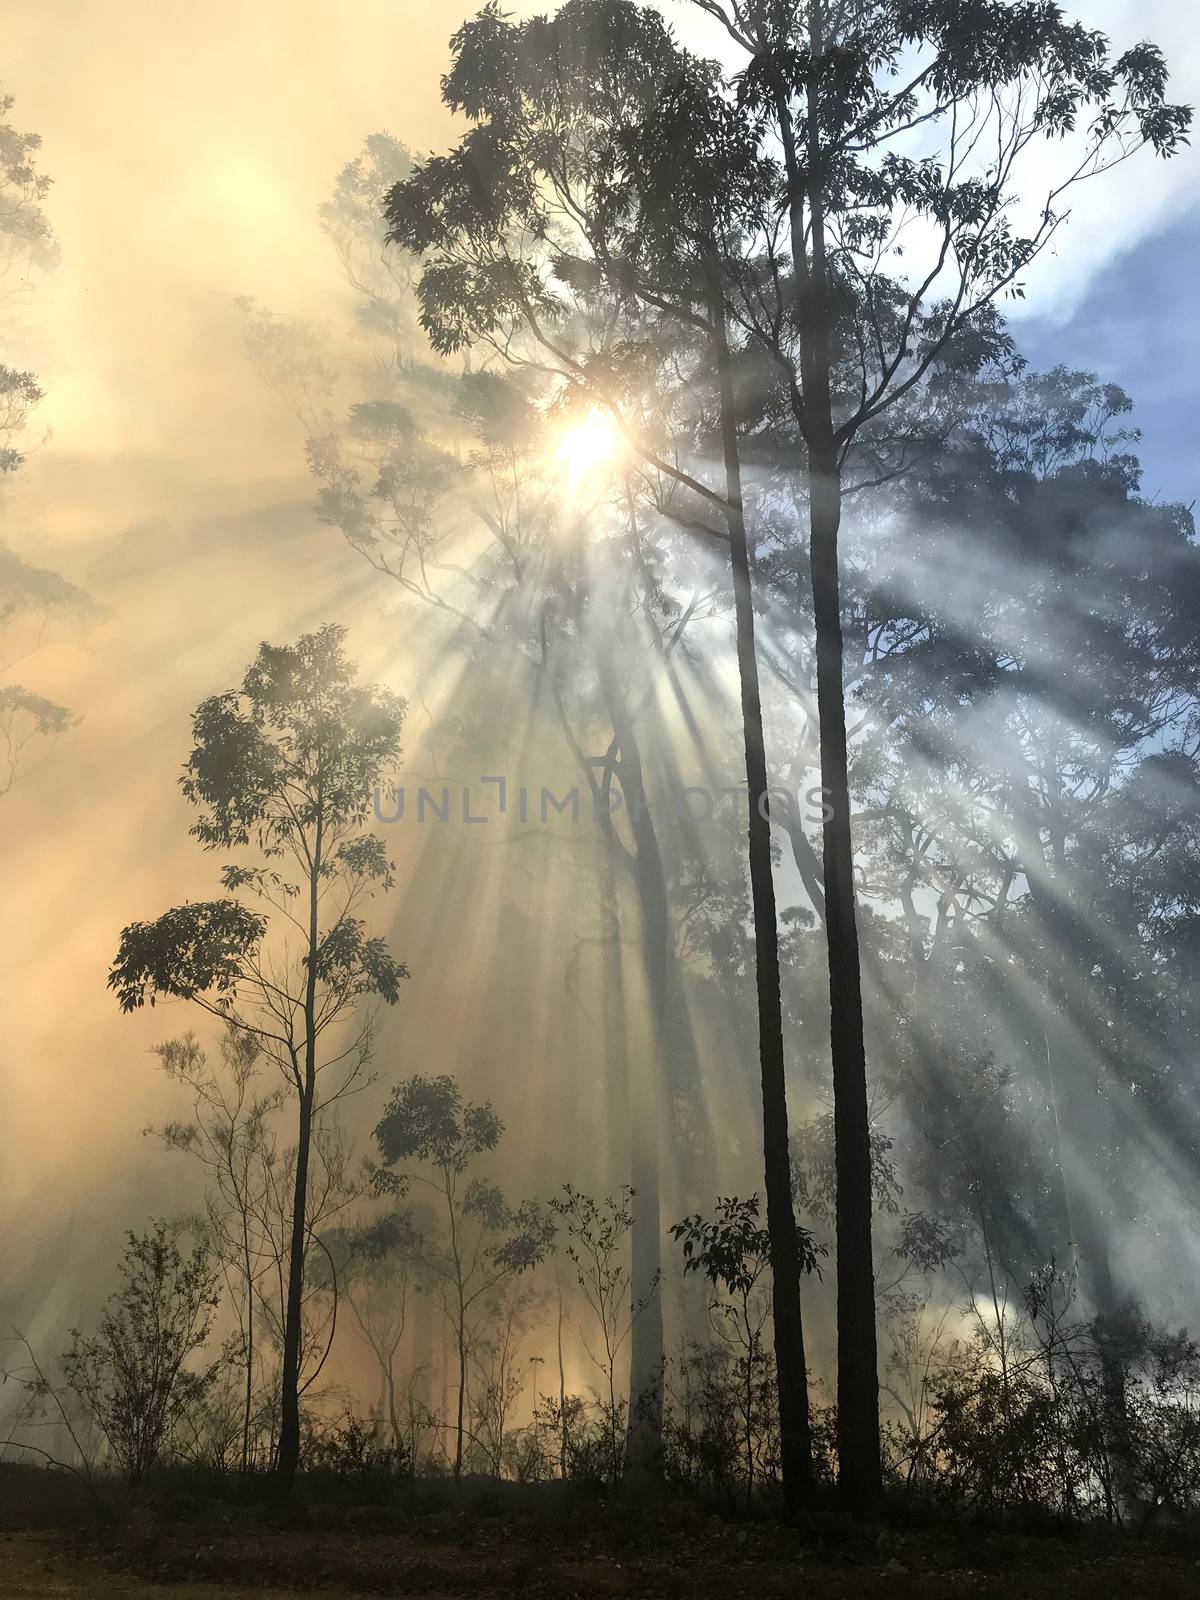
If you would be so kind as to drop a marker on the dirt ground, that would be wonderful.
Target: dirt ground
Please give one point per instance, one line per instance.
(442, 1554)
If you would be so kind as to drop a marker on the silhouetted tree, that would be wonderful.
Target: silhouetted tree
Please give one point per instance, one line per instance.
(565, 258)
(234, 1134)
(596, 1241)
(855, 332)
(553, 583)
(28, 250)
(811, 276)
(286, 764)
(376, 1265)
(734, 1253)
(482, 1242)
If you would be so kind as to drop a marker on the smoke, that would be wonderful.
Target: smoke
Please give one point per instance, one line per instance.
(190, 151)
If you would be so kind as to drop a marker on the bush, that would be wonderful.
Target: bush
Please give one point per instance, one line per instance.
(1049, 1415)
(353, 1448)
(131, 1376)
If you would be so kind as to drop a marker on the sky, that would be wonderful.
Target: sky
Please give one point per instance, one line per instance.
(1135, 322)
(190, 150)
(190, 147)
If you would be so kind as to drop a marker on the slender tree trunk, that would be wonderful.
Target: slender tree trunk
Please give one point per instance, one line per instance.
(248, 1409)
(794, 1430)
(563, 1442)
(618, 1058)
(644, 1442)
(462, 1399)
(393, 1408)
(460, 1321)
(638, 1122)
(288, 1456)
(859, 1465)
(859, 1472)
(444, 1374)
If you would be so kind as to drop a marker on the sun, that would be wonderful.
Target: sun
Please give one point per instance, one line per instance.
(586, 447)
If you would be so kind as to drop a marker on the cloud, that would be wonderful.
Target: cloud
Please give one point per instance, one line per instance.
(1112, 214)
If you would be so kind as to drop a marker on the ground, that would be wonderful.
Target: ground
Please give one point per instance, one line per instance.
(494, 1547)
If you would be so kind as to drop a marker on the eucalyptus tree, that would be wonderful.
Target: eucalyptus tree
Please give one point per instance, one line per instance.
(448, 485)
(595, 249)
(429, 1135)
(385, 310)
(373, 1267)
(33, 601)
(285, 766)
(20, 393)
(823, 182)
(234, 1134)
(26, 720)
(839, 92)
(28, 250)
(595, 1233)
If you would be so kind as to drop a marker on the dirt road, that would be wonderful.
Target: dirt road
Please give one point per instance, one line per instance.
(35, 1566)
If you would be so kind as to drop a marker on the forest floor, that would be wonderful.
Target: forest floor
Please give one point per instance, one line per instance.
(490, 1551)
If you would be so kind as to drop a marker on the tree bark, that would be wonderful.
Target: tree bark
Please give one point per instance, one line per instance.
(859, 1470)
(859, 1465)
(288, 1457)
(460, 1414)
(792, 1376)
(248, 1270)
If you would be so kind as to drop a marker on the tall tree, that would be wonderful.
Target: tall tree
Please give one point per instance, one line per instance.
(570, 252)
(814, 279)
(287, 764)
(856, 331)
(516, 568)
